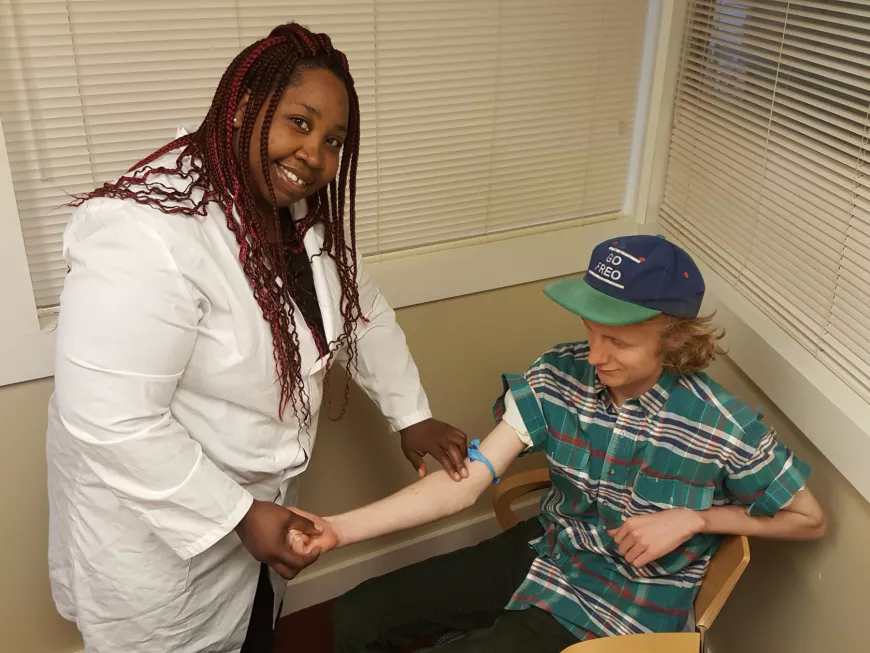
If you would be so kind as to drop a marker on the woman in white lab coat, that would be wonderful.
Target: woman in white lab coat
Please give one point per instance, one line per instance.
(210, 290)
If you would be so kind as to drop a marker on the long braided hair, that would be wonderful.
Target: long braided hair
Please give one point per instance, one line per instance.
(216, 172)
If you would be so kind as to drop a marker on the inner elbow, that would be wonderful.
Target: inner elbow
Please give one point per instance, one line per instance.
(465, 500)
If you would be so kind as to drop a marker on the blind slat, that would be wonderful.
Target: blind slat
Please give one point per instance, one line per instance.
(452, 147)
(770, 138)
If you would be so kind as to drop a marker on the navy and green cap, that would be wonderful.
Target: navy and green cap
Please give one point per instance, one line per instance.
(632, 279)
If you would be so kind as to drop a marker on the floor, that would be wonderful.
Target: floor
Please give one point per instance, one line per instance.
(309, 631)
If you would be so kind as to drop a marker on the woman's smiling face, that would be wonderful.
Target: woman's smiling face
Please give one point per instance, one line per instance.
(305, 138)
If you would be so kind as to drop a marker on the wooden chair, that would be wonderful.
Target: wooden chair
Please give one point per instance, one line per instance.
(646, 643)
(725, 570)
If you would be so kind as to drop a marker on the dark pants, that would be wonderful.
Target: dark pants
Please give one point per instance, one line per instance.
(465, 590)
(261, 626)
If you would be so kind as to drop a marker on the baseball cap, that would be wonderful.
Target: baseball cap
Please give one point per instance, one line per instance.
(632, 279)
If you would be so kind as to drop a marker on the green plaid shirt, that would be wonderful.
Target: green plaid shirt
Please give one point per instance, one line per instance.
(685, 443)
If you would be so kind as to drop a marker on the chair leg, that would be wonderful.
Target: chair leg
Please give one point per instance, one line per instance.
(703, 633)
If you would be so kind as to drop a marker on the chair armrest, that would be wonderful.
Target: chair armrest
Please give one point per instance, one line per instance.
(512, 488)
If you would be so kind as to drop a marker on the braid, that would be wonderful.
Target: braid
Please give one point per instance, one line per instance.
(216, 173)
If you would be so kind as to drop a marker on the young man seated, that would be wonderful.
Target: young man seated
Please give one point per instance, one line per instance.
(650, 461)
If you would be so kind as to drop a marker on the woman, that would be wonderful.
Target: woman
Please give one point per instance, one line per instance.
(210, 291)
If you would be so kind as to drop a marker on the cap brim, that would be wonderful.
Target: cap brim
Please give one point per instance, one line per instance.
(579, 297)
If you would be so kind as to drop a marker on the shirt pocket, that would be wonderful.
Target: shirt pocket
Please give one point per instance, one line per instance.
(566, 457)
(652, 494)
(570, 473)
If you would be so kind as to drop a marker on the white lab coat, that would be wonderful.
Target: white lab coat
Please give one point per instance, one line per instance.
(164, 424)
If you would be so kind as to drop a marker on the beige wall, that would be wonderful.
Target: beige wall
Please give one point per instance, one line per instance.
(794, 598)
(28, 622)
(801, 597)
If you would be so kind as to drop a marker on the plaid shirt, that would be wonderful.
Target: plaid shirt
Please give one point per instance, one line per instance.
(685, 443)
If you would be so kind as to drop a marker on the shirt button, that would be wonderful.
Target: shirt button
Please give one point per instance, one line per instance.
(612, 472)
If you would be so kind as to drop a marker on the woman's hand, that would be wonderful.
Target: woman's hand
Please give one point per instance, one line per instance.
(448, 445)
(264, 531)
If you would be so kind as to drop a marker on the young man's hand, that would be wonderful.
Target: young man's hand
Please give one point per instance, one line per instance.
(264, 531)
(304, 543)
(448, 445)
(646, 538)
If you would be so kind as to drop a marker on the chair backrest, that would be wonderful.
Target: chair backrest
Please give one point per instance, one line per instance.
(512, 488)
(725, 570)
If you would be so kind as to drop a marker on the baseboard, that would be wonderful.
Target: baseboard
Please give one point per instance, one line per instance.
(330, 582)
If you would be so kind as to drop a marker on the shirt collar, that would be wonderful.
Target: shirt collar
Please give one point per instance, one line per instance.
(605, 401)
(651, 401)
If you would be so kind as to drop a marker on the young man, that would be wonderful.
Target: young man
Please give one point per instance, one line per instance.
(650, 461)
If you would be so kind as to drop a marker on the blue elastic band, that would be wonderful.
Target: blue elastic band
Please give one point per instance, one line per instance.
(474, 454)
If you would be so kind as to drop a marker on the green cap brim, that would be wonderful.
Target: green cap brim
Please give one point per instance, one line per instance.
(579, 297)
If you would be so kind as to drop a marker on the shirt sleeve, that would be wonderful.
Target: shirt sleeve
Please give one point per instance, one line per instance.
(519, 403)
(128, 324)
(514, 419)
(762, 473)
(385, 369)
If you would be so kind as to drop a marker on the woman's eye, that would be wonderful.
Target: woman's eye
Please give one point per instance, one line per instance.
(300, 122)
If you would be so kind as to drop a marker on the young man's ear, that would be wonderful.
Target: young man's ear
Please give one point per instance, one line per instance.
(240, 110)
(674, 341)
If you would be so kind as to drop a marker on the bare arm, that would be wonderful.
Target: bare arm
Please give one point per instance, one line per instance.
(645, 538)
(431, 498)
(802, 519)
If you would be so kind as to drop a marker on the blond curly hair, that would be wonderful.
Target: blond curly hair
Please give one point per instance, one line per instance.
(689, 345)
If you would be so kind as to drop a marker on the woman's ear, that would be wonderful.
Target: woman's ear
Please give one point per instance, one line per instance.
(240, 110)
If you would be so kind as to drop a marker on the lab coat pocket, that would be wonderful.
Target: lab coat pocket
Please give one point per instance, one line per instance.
(125, 552)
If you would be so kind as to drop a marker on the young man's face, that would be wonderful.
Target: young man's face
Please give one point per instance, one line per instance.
(628, 359)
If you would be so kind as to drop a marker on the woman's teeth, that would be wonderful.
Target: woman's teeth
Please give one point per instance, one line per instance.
(288, 174)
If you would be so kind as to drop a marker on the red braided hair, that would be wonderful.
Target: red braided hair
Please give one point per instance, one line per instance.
(212, 167)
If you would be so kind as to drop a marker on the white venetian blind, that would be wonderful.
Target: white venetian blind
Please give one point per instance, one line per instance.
(478, 117)
(768, 159)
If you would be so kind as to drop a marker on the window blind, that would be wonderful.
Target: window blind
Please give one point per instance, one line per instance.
(477, 118)
(767, 175)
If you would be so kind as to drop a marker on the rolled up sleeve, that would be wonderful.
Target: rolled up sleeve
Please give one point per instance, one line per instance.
(519, 401)
(384, 368)
(764, 475)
